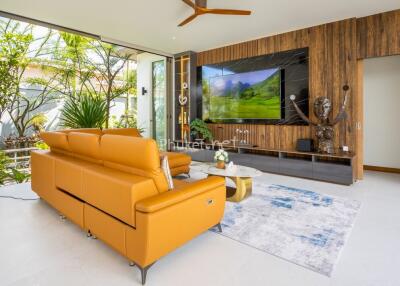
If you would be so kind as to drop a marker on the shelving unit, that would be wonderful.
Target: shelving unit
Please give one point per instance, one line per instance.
(335, 168)
(185, 86)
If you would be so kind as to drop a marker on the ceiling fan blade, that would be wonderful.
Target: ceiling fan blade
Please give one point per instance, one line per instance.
(191, 18)
(227, 12)
(190, 3)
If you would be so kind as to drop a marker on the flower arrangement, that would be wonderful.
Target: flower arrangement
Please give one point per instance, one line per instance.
(222, 157)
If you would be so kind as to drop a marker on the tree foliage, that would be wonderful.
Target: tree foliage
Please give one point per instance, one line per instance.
(20, 50)
(80, 69)
(12, 49)
(107, 65)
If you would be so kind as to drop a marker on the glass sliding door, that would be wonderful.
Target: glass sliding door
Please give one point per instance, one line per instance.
(159, 103)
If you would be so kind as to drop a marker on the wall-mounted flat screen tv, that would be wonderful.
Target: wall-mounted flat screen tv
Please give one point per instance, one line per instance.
(243, 96)
(254, 90)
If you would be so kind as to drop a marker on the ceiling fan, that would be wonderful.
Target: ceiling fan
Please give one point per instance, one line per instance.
(200, 8)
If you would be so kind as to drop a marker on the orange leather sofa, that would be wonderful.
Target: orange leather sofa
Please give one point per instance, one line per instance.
(179, 163)
(112, 186)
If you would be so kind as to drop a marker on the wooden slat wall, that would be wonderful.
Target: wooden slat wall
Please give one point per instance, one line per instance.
(273, 137)
(378, 35)
(332, 51)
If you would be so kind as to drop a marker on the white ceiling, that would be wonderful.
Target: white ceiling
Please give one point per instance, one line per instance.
(153, 23)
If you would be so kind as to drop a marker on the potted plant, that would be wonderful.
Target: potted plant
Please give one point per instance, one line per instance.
(200, 130)
(221, 157)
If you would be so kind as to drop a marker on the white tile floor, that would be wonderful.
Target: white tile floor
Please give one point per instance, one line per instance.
(36, 248)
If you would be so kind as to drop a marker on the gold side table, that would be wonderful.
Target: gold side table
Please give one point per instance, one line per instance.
(242, 176)
(244, 187)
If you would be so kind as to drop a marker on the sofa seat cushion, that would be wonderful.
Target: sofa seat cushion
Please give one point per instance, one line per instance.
(177, 159)
(116, 192)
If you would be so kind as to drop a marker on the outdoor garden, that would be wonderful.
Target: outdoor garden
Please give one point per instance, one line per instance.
(51, 80)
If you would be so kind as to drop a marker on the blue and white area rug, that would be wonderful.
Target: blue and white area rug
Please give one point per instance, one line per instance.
(303, 227)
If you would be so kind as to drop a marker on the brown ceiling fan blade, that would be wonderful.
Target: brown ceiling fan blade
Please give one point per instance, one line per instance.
(227, 12)
(191, 18)
(190, 3)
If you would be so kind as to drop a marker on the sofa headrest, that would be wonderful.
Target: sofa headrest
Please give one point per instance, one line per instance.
(85, 144)
(123, 131)
(83, 130)
(56, 140)
(134, 155)
(130, 151)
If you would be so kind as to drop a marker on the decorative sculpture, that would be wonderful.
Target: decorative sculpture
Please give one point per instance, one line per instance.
(324, 128)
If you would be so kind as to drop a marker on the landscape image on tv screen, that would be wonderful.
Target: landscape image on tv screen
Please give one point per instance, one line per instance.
(250, 95)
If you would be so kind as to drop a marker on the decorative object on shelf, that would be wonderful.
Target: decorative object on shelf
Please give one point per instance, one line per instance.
(222, 157)
(185, 129)
(243, 136)
(182, 100)
(324, 129)
(200, 130)
(185, 85)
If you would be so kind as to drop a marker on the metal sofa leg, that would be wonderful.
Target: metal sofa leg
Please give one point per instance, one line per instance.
(219, 227)
(131, 264)
(143, 272)
(188, 174)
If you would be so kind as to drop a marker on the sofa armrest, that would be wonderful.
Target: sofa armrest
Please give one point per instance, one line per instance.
(169, 198)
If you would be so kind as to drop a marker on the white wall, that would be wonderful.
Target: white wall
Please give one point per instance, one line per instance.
(382, 112)
(144, 79)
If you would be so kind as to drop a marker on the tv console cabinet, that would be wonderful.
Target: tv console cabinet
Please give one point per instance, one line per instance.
(334, 168)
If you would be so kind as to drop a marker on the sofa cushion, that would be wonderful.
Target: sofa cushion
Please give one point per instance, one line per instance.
(167, 172)
(115, 192)
(85, 145)
(83, 130)
(134, 155)
(57, 141)
(123, 131)
(176, 159)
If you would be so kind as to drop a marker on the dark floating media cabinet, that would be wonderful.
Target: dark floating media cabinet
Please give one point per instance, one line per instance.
(335, 168)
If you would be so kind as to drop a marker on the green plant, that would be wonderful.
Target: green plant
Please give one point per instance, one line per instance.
(42, 145)
(127, 120)
(38, 122)
(200, 129)
(18, 176)
(4, 160)
(8, 174)
(86, 111)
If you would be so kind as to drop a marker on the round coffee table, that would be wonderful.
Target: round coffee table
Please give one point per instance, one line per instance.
(242, 176)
